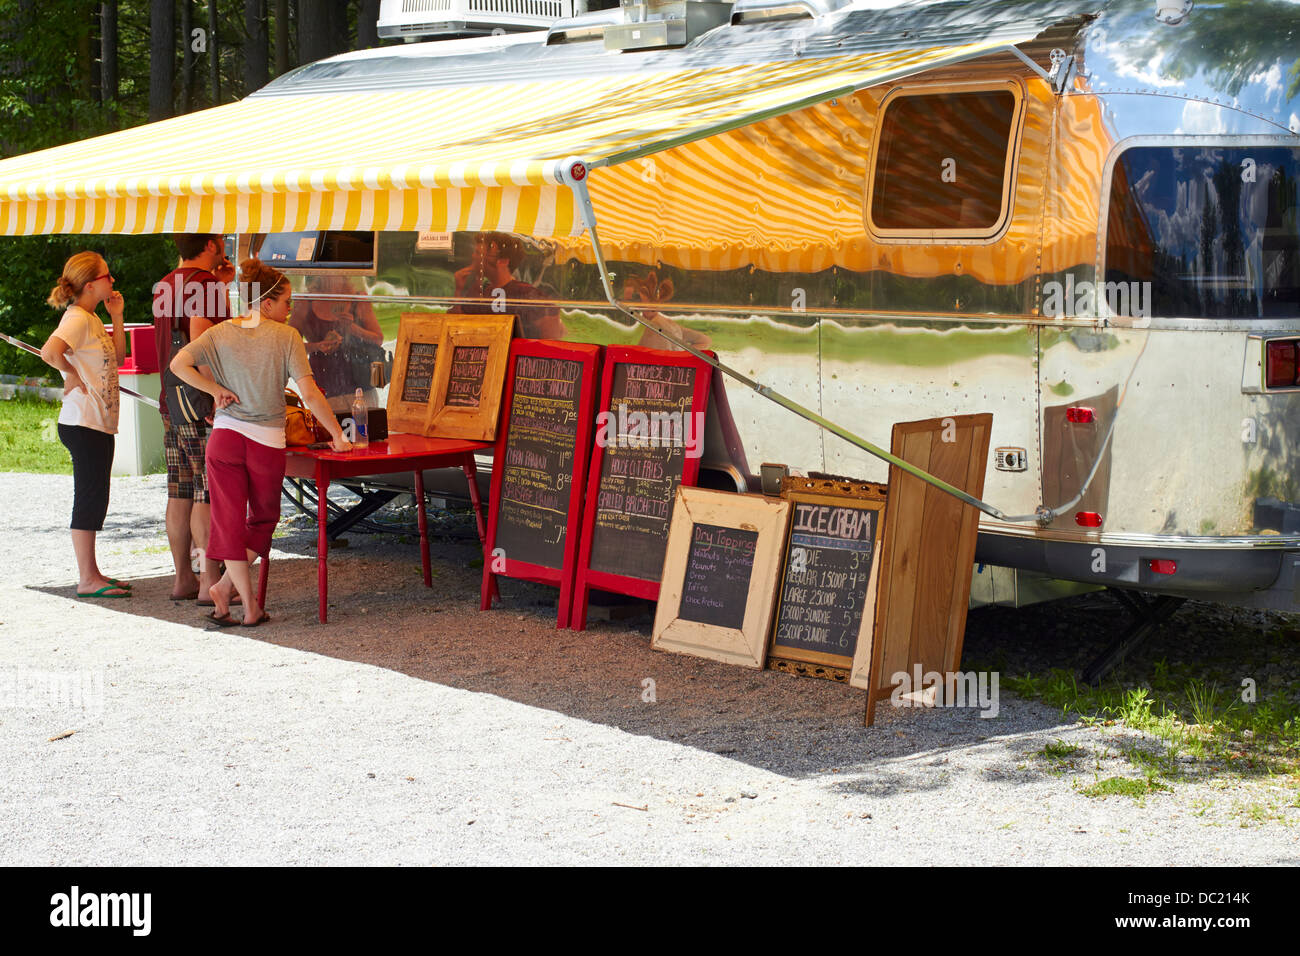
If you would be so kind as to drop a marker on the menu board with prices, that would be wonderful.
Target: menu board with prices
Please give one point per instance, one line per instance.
(649, 438)
(541, 457)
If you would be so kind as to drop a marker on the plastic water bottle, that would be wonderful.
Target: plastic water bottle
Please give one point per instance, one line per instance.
(360, 421)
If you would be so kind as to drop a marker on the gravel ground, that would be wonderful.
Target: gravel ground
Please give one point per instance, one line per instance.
(413, 729)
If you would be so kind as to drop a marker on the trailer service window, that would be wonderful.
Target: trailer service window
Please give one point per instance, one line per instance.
(1215, 231)
(942, 163)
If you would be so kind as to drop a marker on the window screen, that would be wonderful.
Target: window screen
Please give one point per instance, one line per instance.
(319, 250)
(941, 161)
(1206, 231)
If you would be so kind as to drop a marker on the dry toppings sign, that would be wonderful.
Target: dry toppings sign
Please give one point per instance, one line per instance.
(537, 466)
(719, 565)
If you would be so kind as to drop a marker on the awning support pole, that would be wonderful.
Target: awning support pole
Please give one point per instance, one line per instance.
(574, 173)
(19, 343)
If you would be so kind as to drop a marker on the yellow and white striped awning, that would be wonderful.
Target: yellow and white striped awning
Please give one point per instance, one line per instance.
(443, 159)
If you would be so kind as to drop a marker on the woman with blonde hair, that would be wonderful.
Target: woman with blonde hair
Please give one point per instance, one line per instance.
(88, 356)
(252, 359)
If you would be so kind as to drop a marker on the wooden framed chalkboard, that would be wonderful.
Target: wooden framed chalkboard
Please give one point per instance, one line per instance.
(535, 506)
(827, 599)
(717, 593)
(411, 391)
(648, 441)
(467, 381)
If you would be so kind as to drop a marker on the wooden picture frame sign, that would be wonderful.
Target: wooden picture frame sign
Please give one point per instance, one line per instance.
(930, 541)
(649, 438)
(826, 603)
(470, 373)
(542, 444)
(410, 393)
(717, 595)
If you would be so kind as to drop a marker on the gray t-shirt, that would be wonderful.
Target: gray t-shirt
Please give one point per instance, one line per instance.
(256, 364)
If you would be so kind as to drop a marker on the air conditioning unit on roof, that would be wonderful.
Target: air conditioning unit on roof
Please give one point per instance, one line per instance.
(434, 19)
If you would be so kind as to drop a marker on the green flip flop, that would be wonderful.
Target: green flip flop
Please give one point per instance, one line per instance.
(102, 592)
(124, 585)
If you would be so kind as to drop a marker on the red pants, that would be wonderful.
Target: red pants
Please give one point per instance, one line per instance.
(244, 479)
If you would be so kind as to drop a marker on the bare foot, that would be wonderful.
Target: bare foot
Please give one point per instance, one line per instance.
(220, 595)
(185, 589)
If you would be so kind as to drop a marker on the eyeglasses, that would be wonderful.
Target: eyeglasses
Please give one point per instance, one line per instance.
(106, 275)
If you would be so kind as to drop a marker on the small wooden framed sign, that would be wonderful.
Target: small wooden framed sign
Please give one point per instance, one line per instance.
(826, 604)
(717, 593)
(411, 391)
(469, 376)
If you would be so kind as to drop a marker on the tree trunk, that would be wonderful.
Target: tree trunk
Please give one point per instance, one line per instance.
(255, 48)
(281, 37)
(108, 80)
(187, 56)
(214, 53)
(368, 24)
(85, 64)
(162, 58)
(313, 30)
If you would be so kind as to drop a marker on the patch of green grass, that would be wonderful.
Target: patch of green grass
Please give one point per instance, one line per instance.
(1139, 790)
(1201, 727)
(1060, 750)
(29, 438)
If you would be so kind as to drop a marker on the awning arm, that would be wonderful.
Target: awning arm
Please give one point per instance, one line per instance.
(573, 173)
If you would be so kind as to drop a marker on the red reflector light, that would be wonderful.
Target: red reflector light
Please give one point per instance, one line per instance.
(1162, 565)
(1280, 364)
(1080, 415)
(1087, 519)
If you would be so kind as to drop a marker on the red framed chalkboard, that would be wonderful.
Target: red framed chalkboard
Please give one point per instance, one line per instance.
(535, 505)
(648, 440)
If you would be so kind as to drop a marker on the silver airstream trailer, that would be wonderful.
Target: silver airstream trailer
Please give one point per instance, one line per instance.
(1080, 216)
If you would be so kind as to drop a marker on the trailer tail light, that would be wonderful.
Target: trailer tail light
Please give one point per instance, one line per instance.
(1080, 415)
(1162, 565)
(1087, 519)
(1280, 363)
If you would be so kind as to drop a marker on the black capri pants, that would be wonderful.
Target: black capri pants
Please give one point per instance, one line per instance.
(92, 463)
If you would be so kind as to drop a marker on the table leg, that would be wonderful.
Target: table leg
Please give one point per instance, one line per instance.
(322, 539)
(471, 475)
(263, 572)
(422, 520)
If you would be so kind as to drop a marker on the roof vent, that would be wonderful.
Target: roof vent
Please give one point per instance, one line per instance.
(765, 11)
(654, 24)
(433, 19)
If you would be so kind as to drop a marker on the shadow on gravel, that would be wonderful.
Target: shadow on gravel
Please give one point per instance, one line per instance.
(381, 615)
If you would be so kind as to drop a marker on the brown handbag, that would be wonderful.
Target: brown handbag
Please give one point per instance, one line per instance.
(300, 426)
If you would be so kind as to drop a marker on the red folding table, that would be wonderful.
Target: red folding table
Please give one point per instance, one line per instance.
(413, 453)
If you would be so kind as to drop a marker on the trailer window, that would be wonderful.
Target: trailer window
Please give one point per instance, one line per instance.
(1207, 231)
(943, 163)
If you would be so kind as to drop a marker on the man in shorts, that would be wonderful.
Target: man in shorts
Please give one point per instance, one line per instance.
(194, 296)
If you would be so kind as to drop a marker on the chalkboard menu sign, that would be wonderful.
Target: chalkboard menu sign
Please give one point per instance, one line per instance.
(640, 471)
(718, 568)
(469, 364)
(421, 358)
(716, 597)
(469, 378)
(649, 435)
(826, 599)
(415, 367)
(541, 458)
